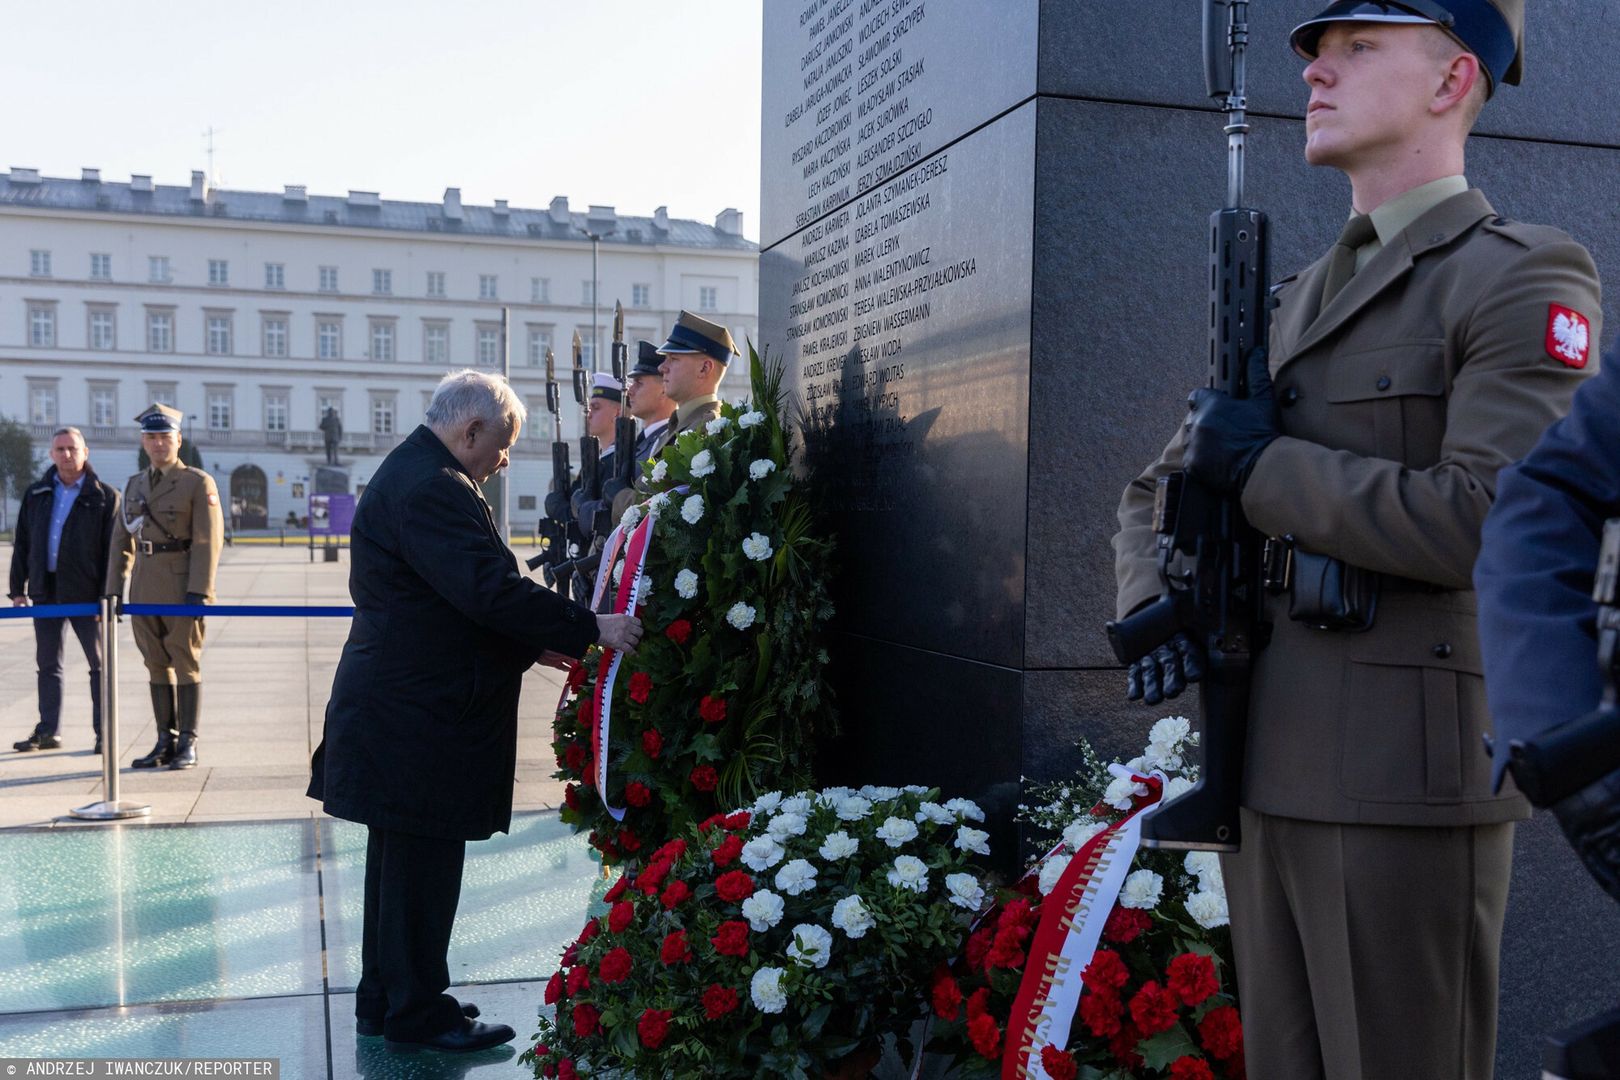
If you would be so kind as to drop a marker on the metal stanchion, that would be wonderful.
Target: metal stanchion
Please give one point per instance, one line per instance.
(111, 807)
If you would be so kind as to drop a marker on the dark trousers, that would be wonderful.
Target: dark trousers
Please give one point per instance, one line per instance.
(413, 884)
(49, 645)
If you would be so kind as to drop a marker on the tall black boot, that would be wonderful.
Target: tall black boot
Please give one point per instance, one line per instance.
(163, 710)
(185, 751)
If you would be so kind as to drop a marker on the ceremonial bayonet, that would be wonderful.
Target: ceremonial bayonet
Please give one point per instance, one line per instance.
(590, 449)
(556, 530)
(624, 429)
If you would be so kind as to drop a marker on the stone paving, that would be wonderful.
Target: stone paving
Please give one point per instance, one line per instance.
(265, 685)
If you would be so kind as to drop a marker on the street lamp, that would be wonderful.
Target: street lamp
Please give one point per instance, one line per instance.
(596, 329)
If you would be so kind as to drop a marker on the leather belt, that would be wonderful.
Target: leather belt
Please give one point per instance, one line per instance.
(147, 547)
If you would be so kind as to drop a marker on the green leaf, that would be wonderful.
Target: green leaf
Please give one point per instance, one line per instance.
(1165, 1047)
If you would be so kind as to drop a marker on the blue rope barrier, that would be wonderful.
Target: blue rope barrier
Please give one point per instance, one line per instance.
(264, 610)
(50, 611)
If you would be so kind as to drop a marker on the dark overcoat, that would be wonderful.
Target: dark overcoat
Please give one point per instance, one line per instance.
(81, 558)
(421, 729)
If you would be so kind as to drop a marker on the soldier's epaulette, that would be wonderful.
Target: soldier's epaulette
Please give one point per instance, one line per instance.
(1525, 234)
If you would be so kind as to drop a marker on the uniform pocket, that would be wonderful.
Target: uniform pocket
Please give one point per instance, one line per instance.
(1390, 400)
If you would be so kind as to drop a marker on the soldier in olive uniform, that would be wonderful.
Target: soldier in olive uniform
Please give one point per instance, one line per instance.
(1426, 351)
(695, 360)
(170, 525)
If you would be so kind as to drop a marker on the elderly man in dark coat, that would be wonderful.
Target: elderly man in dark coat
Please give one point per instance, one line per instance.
(421, 730)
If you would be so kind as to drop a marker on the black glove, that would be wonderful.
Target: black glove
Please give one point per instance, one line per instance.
(1165, 672)
(1225, 436)
(196, 598)
(1591, 820)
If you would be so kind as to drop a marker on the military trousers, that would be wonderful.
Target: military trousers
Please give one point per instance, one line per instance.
(1368, 952)
(171, 646)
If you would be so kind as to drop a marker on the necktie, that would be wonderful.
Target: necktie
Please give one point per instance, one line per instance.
(152, 478)
(1342, 262)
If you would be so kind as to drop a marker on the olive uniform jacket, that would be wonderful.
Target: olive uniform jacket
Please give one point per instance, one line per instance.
(1431, 369)
(676, 427)
(183, 506)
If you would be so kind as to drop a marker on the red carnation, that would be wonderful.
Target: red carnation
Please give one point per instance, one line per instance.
(621, 916)
(566, 1070)
(619, 888)
(652, 742)
(640, 687)
(587, 1021)
(727, 851)
(978, 947)
(579, 980)
(1190, 1068)
(590, 930)
(1059, 1064)
(570, 956)
(571, 796)
(675, 950)
(583, 718)
(1192, 977)
(554, 988)
(1125, 924)
(1016, 913)
(671, 851)
(710, 822)
(712, 709)
(637, 794)
(1100, 1011)
(628, 841)
(678, 631)
(615, 966)
(1106, 971)
(652, 876)
(979, 1003)
(1153, 1008)
(1221, 1032)
(574, 756)
(731, 938)
(653, 1027)
(576, 676)
(1123, 1046)
(1008, 950)
(945, 995)
(704, 778)
(677, 892)
(738, 820)
(718, 1001)
(734, 886)
(986, 1036)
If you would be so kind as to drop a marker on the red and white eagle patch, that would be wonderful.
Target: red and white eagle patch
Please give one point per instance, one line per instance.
(1569, 336)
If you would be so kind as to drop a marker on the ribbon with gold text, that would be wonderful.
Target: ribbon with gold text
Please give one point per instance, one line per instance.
(626, 600)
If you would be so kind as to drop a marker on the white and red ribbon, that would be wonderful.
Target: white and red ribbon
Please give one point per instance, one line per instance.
(1072, 920)
(634, 545)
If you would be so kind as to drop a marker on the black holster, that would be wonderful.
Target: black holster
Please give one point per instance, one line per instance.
(1324, 593)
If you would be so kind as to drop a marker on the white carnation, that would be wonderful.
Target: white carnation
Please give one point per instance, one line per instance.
(1079, 833)
(767, 802)
(740, 615)
(632, 517)
(659, 501)
(973, 841)
(751, 419)
(916, 789)
(1171, 731)
(643, 589)
(936, 813)
(965, 809)
(1120, 792)
(909, 872)
(758, 470)
(797, 804)
(717, 425)
(763, 910)
(686, 583)
(852, 807)
(1208, 909)
(1142, 890)
(765, 989)
(1203, 865)
(618, 571)
(896, 831)
(757, 547)
(786, 824)
(880, 794)
(761, 853)
(829, 796)
(839, 845)
(692, 509)
(812, 945)
(1176, 788)
(965, 890)
(660, 471)
(1051, 870)
(850, 916)
(702, 463)
(797, 877)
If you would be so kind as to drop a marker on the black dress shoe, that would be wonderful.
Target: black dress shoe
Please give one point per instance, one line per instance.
(365, 1025)
(36, 741)
(471, 1036)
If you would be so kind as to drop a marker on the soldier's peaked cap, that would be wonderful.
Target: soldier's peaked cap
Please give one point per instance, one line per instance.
(1492, 30)
(692, 334)
(647, 360)
(158, 418)
(604, 385)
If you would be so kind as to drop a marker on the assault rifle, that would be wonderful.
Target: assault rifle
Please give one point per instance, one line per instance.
(625, 464)
(590, 450)
(1216, 601)
(555, 529)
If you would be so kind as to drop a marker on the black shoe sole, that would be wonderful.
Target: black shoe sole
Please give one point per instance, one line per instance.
(144, 764)
(371, 1028)
(417, 1048)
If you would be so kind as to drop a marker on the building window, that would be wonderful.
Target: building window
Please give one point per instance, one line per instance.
(275, 412)
(41, 325)
(489, 346)
(382, 282)
(436, 343)
(160, 331)
(488, 287)
(275, 276)
(103, 330)
(526, 502)
(161, 394)
(101, 267)
(641, 296)
(275, 335)
(39, 263)
(42, 404)
(708, 298)
(382, 339)
(219, 272)
(435, 283)
(219, 410)
(219, 335)
(157, 269)
(103, 406)
(539, 342)
(587, 291)
(382, 414)
(329, 339)
(540, 290)
(329, 279)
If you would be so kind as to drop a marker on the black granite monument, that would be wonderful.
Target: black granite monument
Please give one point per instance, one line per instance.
(983, 234)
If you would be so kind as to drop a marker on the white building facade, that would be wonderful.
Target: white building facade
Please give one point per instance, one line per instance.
(253, 313)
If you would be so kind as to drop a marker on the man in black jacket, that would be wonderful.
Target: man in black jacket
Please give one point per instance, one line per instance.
(421, 729)
(64, 529)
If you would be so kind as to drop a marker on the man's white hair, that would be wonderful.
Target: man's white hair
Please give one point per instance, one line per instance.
(467, 395)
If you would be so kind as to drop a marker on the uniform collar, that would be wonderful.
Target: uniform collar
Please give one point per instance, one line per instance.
(165, 473)
(1403, 211)
(684, 411)
(652, 429)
